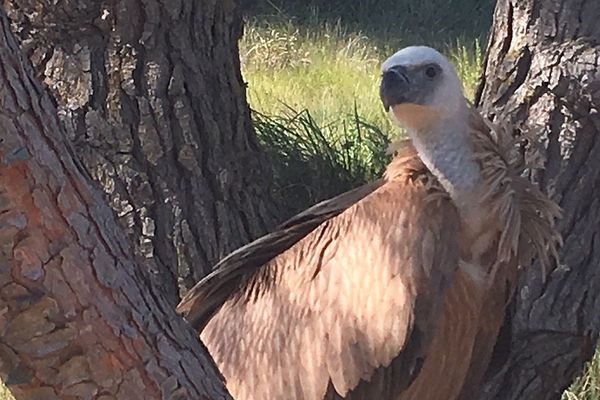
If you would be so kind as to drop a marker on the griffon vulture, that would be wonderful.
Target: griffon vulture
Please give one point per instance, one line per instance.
(397, 289)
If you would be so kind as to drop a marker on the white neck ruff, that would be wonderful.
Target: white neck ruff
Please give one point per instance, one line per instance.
(448, 153)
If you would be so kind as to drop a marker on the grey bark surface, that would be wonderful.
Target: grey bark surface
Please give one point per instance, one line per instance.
(151, 96)
(542, 73)
(79, 318)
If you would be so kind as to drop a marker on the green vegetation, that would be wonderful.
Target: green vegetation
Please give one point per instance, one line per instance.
(329, 71)
(586, 387)
(313, 162)
(5, 393)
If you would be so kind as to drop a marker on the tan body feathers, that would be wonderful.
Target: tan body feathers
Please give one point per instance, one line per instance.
(386, 292)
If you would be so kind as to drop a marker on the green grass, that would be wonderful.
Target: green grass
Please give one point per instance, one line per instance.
(330, 71)
(5, 393)
(325, 55)
(312, 162)
(586, 387)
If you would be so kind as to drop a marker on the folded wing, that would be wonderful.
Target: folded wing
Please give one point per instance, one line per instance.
(339, 303)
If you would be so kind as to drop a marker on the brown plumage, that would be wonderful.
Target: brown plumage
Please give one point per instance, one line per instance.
(393, 290)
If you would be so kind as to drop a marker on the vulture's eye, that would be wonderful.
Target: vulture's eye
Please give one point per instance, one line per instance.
(431, 72)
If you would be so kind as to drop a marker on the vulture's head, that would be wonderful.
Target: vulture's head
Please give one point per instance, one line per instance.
(419, 87)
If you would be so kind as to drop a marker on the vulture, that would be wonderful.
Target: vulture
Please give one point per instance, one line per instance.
(395, 290)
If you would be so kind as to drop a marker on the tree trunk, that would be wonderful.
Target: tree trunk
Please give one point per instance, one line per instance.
(78, 317)
(151, 96)
(542, 72)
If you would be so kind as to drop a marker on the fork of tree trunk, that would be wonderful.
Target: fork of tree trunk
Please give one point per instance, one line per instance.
(152, 110)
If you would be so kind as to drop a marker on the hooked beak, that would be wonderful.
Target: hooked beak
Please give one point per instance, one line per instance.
(395, 87)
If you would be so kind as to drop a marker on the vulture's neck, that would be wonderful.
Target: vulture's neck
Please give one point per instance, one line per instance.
(447, 151)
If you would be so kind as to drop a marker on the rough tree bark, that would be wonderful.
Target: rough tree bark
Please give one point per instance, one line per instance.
(151, 95)
(78, 318)
(542, 71)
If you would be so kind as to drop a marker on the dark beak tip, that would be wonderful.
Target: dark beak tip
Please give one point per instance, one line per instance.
(386, 105)
(384, 95)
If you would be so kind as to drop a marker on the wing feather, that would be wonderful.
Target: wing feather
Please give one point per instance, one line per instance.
(348, 306)
(234, 271)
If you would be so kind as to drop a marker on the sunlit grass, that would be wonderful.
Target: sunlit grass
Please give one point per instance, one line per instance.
(586, 387)
(5, 393)
(329, 71)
